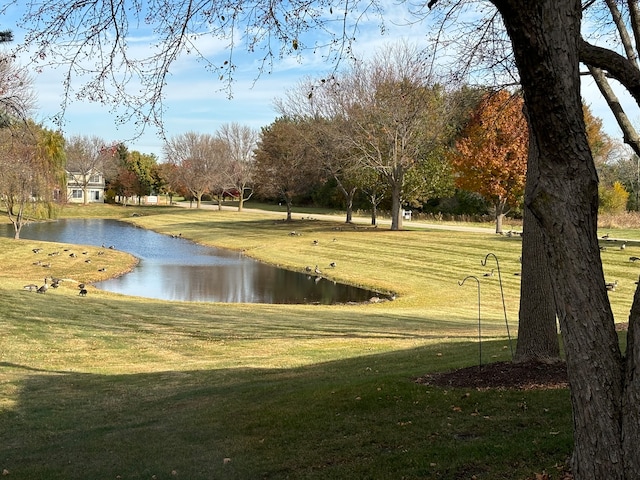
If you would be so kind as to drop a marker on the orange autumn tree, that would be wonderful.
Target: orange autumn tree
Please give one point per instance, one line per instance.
(491, 156)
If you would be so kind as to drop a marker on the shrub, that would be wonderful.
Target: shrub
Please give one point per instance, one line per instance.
(612, 199)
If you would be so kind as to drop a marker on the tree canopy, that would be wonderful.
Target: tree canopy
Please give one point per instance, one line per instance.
(491, 156)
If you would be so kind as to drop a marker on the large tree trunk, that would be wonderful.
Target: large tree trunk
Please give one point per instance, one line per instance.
(537, 331)
(631, 399)
(545, 35)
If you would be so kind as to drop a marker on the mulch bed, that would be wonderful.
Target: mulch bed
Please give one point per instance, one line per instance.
(520, 376)
(502, 375)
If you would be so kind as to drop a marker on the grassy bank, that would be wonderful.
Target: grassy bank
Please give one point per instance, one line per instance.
(108, 386)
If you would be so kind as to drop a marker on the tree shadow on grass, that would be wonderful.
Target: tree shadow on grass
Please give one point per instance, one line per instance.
(363, 417)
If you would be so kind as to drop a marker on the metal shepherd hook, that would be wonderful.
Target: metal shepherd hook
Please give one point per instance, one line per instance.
(461, 283)
(504, 307)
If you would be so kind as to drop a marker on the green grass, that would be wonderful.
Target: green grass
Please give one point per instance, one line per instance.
(109, 386)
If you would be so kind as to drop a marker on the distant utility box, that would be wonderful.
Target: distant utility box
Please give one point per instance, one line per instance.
(406, 214)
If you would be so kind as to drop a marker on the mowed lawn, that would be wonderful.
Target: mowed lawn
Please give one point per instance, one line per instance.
(109, 386)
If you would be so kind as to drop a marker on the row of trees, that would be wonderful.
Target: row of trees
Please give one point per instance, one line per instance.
(384, 128)
(380, 128)
(219, 165)
(36, 162)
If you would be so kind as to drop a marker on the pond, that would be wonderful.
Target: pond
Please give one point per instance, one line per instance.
(177, 269)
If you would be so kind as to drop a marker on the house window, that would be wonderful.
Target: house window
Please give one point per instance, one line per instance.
(76, 193)
(94, 179)
(96, 194)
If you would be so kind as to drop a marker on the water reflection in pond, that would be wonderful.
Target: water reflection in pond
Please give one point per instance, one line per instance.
(178, 269)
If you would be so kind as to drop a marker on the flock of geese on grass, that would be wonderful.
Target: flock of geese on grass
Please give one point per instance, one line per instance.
(620, 245)
(318, 273)
(308, 269)
(53, 282)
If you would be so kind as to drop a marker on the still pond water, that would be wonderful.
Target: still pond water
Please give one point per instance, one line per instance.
(178, 269)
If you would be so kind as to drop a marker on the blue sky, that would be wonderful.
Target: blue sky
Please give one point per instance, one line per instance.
(195, 99)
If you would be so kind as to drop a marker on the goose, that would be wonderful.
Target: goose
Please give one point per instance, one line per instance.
(103, 269)
(332, 264)
(489, 274)
(81, 286)
(634, 259)
(31, 287)
(44, 287)
(611, 286)
(83, 292)
(317, 270)
(315, 242)
(307, 269)
(623, 246)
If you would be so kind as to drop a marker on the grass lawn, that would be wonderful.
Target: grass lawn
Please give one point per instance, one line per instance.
(108, 386)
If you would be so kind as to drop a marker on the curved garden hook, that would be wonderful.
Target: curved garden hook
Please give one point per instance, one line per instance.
(504, 306)
(461, 283)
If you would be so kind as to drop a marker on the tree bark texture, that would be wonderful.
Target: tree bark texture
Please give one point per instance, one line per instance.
(537, 331)
(631, 398)
(545, 36)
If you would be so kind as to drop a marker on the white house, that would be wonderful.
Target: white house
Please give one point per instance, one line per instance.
(94, 183)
